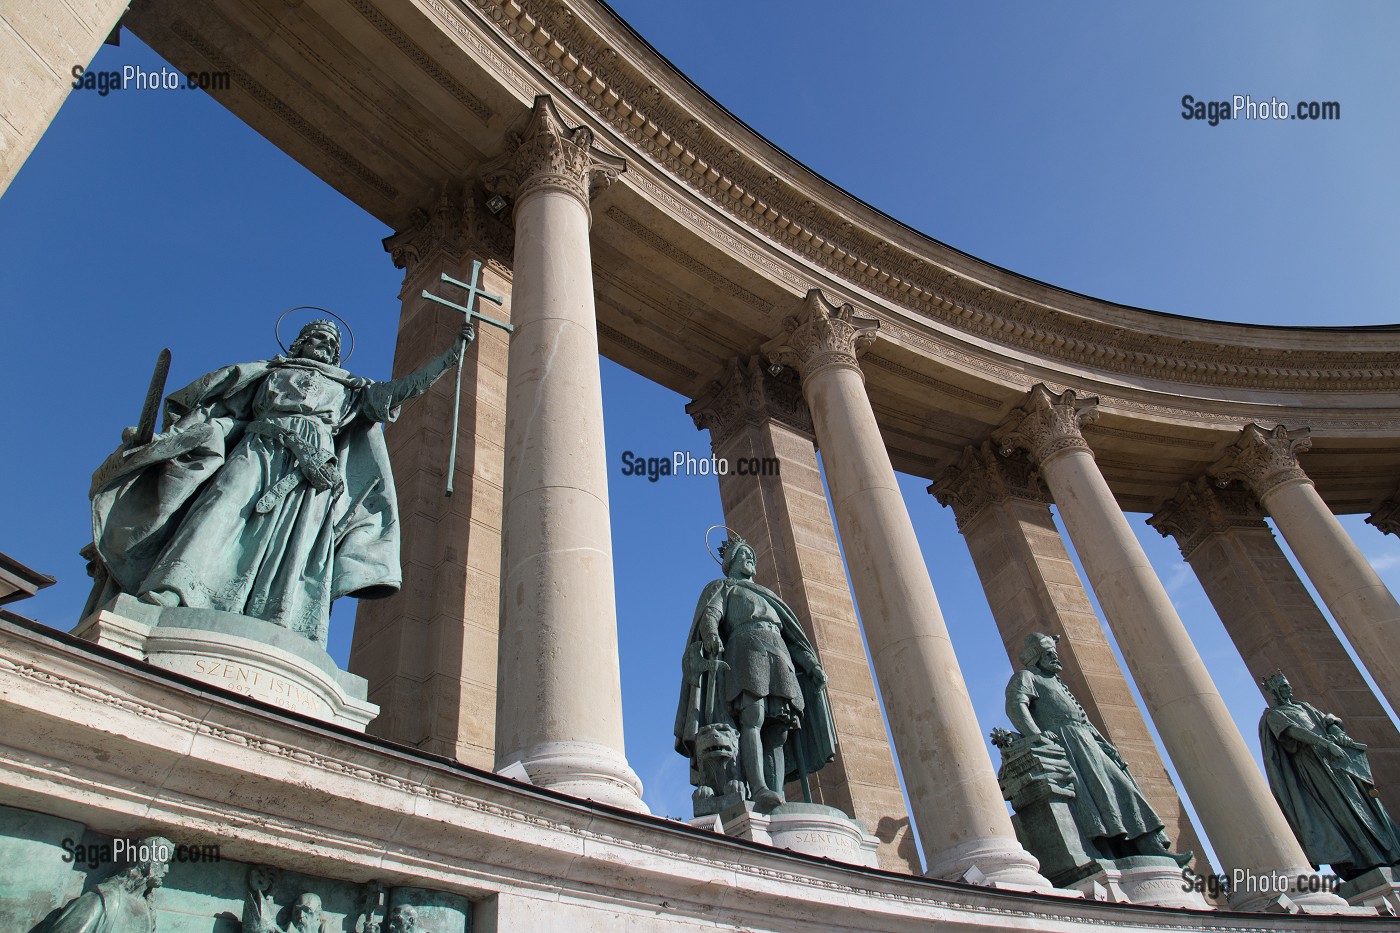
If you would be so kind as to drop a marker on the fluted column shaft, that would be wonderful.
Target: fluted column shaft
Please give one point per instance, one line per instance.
(1230, 795)
(953, 792)
(559, 713)
(1364, 608)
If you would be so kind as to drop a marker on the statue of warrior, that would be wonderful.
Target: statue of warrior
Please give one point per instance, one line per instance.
(751, 679)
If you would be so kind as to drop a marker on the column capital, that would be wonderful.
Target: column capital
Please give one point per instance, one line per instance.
(750, 394)
(444, 232)
(1265, 458)
(551, 155)
(1386, 517)
(822, 334)
(983, 477)
(1202, 508)
(1047, 424)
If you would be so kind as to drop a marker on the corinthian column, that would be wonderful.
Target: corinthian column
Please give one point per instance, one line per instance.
(559, 712)
(1031, 585)
(1272, 618)
(755, 417)
(958, 809)
(1366, 611)
(1231, 797)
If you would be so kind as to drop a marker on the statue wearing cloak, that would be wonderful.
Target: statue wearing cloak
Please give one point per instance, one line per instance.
(1322, 782)
(268, 494)
(769, 688)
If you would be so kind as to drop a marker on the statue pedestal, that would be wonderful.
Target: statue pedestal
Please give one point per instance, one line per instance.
(809, 828)
(1378, 888)
(249, 656)
(1146, 879)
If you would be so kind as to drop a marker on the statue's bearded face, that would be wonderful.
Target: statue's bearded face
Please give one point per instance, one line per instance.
(742, 564)
(319, 344)
(1050, 660)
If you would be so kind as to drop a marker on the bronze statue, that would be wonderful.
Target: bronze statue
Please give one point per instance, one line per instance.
(753, 712)
(1321, 779)
(123, 903)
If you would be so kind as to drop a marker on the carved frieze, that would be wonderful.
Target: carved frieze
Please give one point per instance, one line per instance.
(1264, 458)
(983, 477)
(550, 154)
(1047, 424)
(1202, 508)
(750, 394)
(822, 334)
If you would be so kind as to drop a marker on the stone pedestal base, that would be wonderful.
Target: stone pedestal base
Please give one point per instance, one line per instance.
(249, 656)
(1378, 888)
(809, 828)
(1138, 879)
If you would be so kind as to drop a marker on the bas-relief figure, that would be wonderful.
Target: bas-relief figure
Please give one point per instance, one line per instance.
(123, 903)
(753, 711)
(260, 911)
(1322, 781)
(268, 494)
(1108, 807)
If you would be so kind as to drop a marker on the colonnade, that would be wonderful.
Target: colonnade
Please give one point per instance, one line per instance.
(558, 709)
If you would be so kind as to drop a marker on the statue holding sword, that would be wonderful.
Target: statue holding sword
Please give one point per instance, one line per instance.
(268, 493)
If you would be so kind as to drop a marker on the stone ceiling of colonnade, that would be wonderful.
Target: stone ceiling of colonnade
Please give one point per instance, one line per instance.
(712, 237)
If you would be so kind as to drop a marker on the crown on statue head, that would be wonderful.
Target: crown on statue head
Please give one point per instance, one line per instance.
(729, 546)
(1273, 682)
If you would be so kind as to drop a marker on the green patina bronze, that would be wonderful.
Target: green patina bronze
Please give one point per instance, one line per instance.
(1113, 818)
(474, 291)
(124, 902)
(1322, 781)
(753, 711)
(267, 494)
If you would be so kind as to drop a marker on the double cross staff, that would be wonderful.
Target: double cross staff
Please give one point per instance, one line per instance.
(474, 292)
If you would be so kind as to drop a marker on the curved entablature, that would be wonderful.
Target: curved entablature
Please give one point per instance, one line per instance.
(713, 235)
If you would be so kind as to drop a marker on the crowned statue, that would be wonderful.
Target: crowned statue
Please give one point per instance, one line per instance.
(268, 493)
(753, 711)
(1322, 781)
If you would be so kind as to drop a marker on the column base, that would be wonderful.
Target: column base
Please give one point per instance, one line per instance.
(992, 863)
(1138, 879)
(581, 769)
(1281, 893)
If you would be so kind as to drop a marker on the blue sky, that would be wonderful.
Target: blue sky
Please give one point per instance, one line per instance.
(1047, 139)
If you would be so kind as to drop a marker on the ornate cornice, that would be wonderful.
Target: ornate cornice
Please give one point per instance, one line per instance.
(983, 477)
(715, 158)
(1386, 517)
(751, 395)
(1203, 508)
(822, 334)
(551, 155)
(1047, 424)
(1265, 458)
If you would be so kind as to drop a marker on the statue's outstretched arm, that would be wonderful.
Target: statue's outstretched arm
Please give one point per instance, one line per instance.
(398, 391)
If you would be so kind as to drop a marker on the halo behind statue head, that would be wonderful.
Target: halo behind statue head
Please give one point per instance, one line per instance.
(734, 539)
(277, 329)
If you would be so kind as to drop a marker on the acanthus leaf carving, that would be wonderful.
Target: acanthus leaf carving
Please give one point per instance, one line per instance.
(550, 154)
(1201, 508)
(1264, 458)
(982, 477)
(1047, 424)
(822, 334)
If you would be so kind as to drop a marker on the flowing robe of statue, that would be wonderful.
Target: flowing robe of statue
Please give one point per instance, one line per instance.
(760, 635)
(269, 495)
(1108, 803)
(1329, 801)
